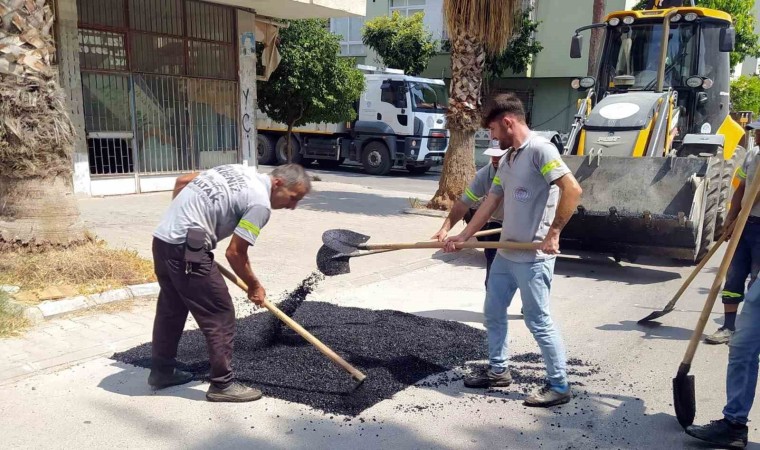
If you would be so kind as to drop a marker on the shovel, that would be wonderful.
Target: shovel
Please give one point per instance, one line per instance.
(684, 400)
(327, 351)
(672, 303)
(333, 257)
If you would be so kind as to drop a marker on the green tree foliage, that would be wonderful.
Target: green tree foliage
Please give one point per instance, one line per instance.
(742, 13)
(313, 83)
(745, 94)
(402, 42)
(518, 54)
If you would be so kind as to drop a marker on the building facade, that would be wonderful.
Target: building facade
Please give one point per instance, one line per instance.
(545, 86)
(161, 87)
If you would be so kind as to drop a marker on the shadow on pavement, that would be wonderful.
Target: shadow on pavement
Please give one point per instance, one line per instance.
(654, 330)
(132, 381)
(353, 203)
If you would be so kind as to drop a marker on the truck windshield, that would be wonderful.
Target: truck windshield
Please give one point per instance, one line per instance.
(428, 97)
(635, 50)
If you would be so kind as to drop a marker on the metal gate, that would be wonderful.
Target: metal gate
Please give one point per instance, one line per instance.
(160, 89)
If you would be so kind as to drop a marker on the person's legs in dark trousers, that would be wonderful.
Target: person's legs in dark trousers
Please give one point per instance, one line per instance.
(204, 293)
(490, 253)
(733, 289)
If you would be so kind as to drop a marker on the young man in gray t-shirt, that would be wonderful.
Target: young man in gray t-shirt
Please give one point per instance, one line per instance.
(539, 195)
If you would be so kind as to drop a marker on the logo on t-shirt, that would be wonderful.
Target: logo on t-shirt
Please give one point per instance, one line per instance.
(521, 194)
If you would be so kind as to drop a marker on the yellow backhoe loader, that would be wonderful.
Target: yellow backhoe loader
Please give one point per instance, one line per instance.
(653, 144)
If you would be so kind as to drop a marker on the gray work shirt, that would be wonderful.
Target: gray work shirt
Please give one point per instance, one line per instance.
(530, 197)
(479, 188)
(222, 200)
(746, 172)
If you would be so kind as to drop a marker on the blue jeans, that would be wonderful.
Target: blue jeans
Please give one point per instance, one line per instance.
(533, 279)
(746, 262)
(743, 353)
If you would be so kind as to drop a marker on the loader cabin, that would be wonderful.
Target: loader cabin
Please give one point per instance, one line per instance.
(695, 65)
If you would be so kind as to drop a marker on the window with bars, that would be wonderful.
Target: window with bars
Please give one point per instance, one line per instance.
(407, 7)
(159, 81)
(167, 37)
(350, 31)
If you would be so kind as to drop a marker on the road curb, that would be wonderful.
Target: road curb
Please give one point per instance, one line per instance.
(50, 309)
(426, 212)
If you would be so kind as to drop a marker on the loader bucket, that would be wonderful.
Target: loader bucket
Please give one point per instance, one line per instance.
(639, 206)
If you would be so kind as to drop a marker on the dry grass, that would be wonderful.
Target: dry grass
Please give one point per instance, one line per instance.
(89, 268)
(11, 321)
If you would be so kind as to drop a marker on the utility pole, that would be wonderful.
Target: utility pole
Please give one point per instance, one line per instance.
(596, 37)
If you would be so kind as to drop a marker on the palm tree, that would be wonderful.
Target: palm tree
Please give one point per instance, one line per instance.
(37, 203)
(475, 27)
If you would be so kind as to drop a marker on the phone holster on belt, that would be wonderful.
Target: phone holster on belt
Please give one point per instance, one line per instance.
(195, 245)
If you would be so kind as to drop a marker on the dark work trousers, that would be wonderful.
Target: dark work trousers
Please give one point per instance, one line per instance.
(490, 253)
(204, 294)
(745, 263)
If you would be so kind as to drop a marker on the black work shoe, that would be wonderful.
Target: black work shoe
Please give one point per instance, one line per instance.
(488, 378)
(721, 433)
(235, 393)
(548, 396)
(161, 379)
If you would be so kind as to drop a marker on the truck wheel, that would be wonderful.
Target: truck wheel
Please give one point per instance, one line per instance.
(415, 170)
(376, 158)
(265, 149)
(282, 150)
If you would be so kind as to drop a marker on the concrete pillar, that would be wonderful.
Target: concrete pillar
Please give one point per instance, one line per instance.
(246, 25)
(71, 81)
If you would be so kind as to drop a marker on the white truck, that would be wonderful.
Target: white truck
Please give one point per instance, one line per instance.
(400, 123)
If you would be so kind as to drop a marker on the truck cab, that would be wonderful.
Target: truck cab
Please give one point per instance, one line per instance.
(400, 123)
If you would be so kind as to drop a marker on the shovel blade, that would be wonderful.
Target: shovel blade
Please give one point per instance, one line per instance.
(684, 399)
(332, 262)
(655, 315)
(344, 237)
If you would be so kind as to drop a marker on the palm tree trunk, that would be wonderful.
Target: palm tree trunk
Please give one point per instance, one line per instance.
(462, 120)
(39, 213)
(37, 204)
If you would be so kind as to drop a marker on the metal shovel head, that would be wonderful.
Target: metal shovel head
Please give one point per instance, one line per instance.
(340, 237)
(684, 399)
(332, 262)
(654, 315)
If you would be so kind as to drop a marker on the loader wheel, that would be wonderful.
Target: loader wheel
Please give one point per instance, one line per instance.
(714, 182)
(729, 169)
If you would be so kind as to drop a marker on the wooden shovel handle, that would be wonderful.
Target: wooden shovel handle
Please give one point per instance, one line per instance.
(490, 232)
(413, 245)
(334, 357)
(694, 272)
(717, 283)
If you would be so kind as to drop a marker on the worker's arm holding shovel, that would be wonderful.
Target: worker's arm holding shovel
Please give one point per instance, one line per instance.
(237, 256)
(570, 196)
(479, 219)
(455, 215)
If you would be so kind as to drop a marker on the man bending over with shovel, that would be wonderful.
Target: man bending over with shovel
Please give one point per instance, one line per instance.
(230, 200)
(539, 195)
